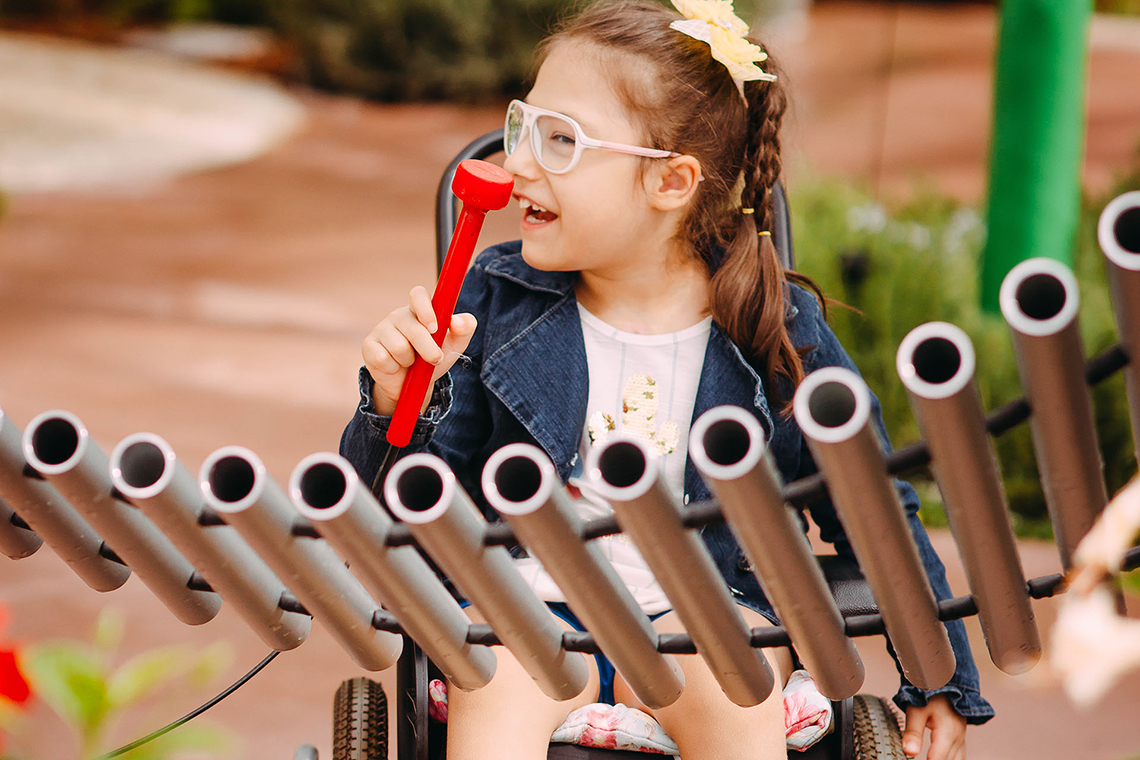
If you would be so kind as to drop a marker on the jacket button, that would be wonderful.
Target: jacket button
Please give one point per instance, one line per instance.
(743, 565)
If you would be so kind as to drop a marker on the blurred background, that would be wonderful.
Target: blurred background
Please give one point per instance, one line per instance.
(205, 205)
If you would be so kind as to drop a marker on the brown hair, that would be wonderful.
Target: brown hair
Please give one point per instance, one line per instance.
(686, 101)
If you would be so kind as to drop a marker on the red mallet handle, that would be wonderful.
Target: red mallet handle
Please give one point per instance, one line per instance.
(482, 187)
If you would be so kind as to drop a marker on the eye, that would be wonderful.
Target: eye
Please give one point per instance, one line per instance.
(562, 138)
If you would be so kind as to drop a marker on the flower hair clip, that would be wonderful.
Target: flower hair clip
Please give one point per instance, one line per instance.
(715, 23)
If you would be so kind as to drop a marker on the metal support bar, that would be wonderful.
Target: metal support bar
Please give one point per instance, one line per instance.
(727, 446)
(422, 492)
(936, 364)
(520, 482)
(145, 469)
(627, 474)
(1039, 299)
(833, 409)
(1119, 234)
(326, 489)
(58, 446)
(235, 483)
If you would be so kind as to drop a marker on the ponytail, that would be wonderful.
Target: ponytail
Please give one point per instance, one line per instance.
(749, 289)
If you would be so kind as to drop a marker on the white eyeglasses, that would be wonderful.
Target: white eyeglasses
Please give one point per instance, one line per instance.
(557, 140)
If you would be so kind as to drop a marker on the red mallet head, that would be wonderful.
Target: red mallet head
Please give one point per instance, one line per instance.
(482, 185)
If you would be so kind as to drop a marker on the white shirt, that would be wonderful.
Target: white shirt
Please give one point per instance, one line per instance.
(642, 386)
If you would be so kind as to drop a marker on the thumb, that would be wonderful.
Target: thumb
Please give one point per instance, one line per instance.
(455, 342)
(916, 719)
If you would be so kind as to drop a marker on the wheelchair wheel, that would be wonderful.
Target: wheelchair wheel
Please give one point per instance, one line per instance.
(877, 735)
(360, 721)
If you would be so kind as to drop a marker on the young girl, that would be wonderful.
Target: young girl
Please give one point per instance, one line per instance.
(645, 290)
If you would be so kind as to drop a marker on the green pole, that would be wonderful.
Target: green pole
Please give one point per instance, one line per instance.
(1038, 136)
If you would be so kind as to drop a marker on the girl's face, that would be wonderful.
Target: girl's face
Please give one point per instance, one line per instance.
(599, 216)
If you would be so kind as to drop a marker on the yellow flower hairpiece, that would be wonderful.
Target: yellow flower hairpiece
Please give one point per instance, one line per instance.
(715, 23)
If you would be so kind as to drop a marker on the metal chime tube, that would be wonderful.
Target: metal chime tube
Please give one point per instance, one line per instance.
(58, 446)
(936, 364)
(727, 446)
(1119, 234)
(422, 491)
(145, 469)
(326, 489)
(16, 541)
(627, 473)
(1039, 299)
(235, 483)
(520, 482)
(833, 409)
(54, 520)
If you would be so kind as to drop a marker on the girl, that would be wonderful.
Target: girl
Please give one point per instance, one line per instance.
(645, 290)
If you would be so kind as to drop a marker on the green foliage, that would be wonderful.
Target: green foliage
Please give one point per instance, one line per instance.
(118, 13)
(418, 49)
(917, 262)
(1128, 7)
(89, 690)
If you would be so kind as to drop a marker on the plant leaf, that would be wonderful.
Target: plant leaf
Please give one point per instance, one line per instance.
(69, 677)
(135, 679)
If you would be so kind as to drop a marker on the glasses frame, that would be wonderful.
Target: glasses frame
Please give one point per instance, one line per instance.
(581, 140)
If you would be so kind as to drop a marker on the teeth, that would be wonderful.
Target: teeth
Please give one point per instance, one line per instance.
(527, 204)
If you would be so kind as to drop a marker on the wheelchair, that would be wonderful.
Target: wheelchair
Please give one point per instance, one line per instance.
(863, 727)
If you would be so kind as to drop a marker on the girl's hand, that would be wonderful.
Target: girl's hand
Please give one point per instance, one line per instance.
(393, 345)
(947, 730)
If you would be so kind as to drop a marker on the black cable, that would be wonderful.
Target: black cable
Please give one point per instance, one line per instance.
(193, 713)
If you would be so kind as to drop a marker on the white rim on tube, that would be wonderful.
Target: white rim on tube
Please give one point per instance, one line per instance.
(1060, 314)
(936, 360)
(55, 441)
(604, 461)
(398, 480)
(322, 485)
(1106, 228)
(136, 460)
(225, 490)
(730, 420)
(534, 469)
(835, 394)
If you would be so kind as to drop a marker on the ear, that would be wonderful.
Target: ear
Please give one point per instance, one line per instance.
(673, 182)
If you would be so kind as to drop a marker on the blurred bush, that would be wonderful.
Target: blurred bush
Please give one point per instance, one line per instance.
(463, 50)
(901, 266)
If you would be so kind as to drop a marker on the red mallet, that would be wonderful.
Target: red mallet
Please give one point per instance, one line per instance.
(482, 187)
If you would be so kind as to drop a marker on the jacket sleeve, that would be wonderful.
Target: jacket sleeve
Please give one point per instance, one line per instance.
(457, 419)
(963, 688)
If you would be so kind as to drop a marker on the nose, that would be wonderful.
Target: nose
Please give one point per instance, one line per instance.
(522, 163)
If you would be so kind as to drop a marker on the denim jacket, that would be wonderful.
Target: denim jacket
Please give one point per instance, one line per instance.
(524, 379)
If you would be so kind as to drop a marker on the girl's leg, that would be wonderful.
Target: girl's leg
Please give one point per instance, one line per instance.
(510, 716)
(705, 724)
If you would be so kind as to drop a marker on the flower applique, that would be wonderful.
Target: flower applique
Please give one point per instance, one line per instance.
(715, 22)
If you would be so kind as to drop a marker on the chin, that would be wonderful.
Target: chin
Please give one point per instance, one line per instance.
(538, 257)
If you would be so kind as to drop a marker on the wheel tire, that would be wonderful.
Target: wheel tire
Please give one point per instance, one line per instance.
(877, 735)
(360, 721)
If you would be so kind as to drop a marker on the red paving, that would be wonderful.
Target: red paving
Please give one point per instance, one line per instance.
(227, 308)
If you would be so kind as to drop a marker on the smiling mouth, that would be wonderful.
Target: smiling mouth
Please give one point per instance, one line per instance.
(535, 213)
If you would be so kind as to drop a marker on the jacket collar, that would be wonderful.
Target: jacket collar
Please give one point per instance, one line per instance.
(511, 266)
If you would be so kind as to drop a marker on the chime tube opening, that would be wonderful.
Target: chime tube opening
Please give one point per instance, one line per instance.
(54, 443)
(232, 479)
(142, 466)
(936, 360)
(622, 465)
(1039, 297)
(1127, 230)
(323, 486)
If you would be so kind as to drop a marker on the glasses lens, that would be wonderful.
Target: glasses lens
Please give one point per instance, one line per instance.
(513, 131)
(557, 142)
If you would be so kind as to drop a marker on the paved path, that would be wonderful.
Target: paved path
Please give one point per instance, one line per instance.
(227, 306)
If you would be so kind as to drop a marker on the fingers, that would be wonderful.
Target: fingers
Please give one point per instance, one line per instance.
(455, 342)
(916, 720)
(420, 303)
